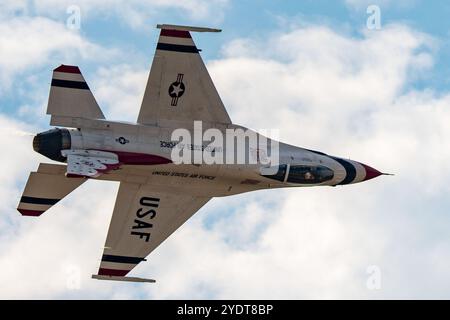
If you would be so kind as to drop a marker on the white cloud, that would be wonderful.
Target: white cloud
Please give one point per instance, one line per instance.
(313, 79)
(363, 4)
(16, 139)
(120, 89)
(11, 8)
(30, 43)
(343, 95)
(136, 13)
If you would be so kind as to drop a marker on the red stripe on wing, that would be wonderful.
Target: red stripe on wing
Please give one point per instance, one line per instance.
(112, 272)
(30, 213)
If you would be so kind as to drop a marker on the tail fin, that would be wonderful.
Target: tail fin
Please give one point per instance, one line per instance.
(70, 96)
(45, 188)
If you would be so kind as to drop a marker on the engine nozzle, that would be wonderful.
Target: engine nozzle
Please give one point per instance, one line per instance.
(51, 142)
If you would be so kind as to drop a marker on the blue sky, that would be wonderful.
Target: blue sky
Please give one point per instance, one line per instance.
(255, 19)
(309, 68)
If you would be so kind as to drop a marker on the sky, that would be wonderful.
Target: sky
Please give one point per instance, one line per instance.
(315, 70)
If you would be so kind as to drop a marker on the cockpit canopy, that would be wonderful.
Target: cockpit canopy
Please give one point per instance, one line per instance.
(301, 174)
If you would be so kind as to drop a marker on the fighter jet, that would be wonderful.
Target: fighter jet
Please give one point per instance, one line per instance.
(158, 194)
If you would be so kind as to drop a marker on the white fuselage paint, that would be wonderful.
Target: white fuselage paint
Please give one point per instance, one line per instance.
(215, 179)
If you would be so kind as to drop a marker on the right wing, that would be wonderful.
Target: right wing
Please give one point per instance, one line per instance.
(142, 219)
(179, 86)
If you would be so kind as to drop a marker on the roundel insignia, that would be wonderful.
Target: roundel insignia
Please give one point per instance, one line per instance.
(122, 140)
(176, 89)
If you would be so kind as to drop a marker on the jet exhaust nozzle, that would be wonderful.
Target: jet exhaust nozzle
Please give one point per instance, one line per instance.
(51, 142)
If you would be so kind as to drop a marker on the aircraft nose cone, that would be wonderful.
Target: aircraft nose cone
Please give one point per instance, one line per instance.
(370, 172)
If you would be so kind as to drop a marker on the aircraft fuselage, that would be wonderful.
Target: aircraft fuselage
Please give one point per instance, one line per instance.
(144, 153)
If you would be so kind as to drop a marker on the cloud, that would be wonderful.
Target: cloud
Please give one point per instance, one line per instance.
(12, 8)
(30, 43)
(319, 76)
(135, 13)
(349, 96)
(120, 90)
(363, 4)
(16, 138)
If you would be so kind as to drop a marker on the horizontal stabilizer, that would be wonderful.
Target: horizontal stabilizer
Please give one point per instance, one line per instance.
(116, 278)
(45, 188)
(70, 96)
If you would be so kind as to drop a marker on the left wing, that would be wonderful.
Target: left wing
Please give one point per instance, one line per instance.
(142, 219)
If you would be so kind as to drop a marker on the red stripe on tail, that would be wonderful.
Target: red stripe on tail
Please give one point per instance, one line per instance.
(175, 33)
(68, 69)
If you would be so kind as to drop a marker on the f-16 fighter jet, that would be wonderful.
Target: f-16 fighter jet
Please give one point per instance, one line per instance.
(166, 170)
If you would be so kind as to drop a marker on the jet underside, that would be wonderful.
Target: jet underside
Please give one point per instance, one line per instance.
(158, 193)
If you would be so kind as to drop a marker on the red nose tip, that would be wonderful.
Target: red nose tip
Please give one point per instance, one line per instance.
(370, 172)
